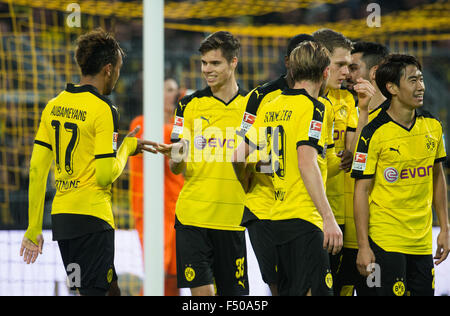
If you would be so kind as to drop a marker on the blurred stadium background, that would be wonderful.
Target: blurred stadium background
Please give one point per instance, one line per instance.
(36, 61)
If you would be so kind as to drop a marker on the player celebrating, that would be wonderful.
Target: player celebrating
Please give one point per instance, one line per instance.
(79, 131)
(398, 167)
(293, 128)
(210, 243)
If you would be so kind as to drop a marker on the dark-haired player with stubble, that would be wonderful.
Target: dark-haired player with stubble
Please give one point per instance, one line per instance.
(399, 178)
(79, 132)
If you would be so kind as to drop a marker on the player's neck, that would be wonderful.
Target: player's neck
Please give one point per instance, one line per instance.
(377, 99)
(402, 114)
(312, 88)
(93, 81)
(227, 91)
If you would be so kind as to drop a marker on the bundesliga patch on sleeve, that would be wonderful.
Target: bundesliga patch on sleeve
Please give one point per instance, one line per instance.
(315, 129)
(359, 163)
(247, 121)
(115, 140)
(178, 125)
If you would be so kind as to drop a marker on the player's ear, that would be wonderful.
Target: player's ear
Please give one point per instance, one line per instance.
(108, 69)
(326, 73)
(372, 73)
(392, 88)
(234, 62)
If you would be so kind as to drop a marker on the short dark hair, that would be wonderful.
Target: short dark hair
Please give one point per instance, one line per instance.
(96, 49)
(372, 53)
(308, 61)
(392, 69)
(225, 41)
(332, 39)
(296, 40)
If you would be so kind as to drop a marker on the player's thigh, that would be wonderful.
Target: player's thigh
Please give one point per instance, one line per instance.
(230, 262)
(265, 251)
(194, 256)
(420, 275)
(392, 268)
(89, 262)
(304, 265)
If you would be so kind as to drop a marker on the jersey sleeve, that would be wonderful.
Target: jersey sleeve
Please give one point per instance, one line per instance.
(42, 138)
(441, 154)
(252, 100)
(311, 129)
(106, 132)
(182, 124)
(366, 156)
(352, 120)
(256, 134)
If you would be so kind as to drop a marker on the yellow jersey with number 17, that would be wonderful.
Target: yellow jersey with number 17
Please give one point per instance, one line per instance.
(79, 126)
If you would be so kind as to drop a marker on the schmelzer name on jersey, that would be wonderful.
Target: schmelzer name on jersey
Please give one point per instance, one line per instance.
(69, 113)
(283, 115)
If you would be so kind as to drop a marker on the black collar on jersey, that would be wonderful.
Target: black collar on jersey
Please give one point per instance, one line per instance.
(72, 88)
(417, 112)
(290, 91)
(207, 92)
(384, 105)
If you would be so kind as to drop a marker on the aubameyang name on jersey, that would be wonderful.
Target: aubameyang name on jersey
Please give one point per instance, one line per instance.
(69, 113)
(282, 115)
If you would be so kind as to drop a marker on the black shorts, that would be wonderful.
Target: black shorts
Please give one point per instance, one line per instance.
(210, 256)
(89, 262)
(264, 247)
(403, 274)
(303, 263)
(348, 280)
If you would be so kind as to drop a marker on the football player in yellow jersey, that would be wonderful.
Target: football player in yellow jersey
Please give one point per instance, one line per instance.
(79, 130)
(399, 177)
(260, 192)
(366, 56)
(210, 243)
(292, 128)
(345, 120)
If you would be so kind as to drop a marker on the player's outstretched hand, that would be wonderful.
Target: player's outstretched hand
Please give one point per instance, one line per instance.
(142, 144)
(29, 250)
(175, 151)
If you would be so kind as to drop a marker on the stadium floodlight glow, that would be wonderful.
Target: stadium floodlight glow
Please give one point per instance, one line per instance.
(153, 164)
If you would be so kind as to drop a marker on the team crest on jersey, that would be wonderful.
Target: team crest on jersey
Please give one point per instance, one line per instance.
(115, 140)
(430, 143)
(315, 129)
(178, 125)
(359, 163)
(247, 121)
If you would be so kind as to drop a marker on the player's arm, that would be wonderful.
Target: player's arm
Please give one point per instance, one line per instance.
(440, 203)
(365, 92)
(41, 160)
(312, 178)
(240, 165)
(177, 154)
(361, 214)
(108, 169)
